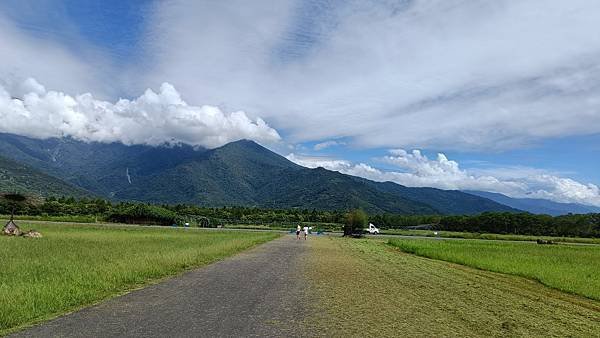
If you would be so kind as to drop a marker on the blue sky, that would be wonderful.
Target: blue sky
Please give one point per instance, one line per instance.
(506, 94)
(112, 25)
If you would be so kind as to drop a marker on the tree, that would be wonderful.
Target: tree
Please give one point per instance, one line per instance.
(13, 201)
(356, 220)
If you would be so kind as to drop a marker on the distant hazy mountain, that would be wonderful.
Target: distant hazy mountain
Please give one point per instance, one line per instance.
(239, 173)
(537, 206)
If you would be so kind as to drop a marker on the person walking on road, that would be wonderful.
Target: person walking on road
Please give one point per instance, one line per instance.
(305, 232)
(298, 229)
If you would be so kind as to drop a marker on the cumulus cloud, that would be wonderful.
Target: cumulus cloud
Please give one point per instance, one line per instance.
(424, 74)
(154, 118)
(417, 170)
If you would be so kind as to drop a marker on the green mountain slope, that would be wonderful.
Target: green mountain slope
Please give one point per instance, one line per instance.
(245, 173)
(17, 177)
(103, 168)
(445, 201)
(315, 188)
(231, 175)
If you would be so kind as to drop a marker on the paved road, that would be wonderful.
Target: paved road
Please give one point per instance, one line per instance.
(257, 293)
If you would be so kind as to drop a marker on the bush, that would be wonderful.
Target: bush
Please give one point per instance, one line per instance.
(143, 214)
(356, 220)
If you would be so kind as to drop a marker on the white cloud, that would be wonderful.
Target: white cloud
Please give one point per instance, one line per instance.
(27, 108)
(315, 162)
(427, 74)
(327, 144)
(71, 64)
(416, 170)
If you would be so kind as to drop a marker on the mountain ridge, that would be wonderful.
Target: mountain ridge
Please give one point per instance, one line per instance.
(239, 173)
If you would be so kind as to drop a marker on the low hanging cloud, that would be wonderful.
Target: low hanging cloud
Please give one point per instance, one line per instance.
(154, 118)
(417, 170)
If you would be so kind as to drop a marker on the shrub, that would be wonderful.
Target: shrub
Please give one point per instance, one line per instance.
(356, 220)
(143, 214)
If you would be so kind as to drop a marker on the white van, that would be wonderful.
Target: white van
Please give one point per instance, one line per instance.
(372, 229)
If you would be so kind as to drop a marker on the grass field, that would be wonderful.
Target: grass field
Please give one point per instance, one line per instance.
(500, 237)
(571, 268)
(77, 265)
(368, 288)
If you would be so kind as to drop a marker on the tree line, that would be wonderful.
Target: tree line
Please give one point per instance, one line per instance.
(587, 225)
(145, 213)
(577, 225)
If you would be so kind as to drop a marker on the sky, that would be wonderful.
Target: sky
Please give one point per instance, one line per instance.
(500, 96)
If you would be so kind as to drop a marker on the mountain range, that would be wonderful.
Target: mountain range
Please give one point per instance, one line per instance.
(536, 205)
(239, 173)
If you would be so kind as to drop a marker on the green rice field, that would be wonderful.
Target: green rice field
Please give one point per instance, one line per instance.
(496, 237)
(77, 265)
(570, 268)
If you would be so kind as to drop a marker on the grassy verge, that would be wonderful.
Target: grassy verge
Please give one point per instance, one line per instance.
(501, 237)
(571, 268)
(77, 265)
(366, 288)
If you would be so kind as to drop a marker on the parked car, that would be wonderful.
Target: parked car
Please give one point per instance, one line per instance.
(372, 229)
